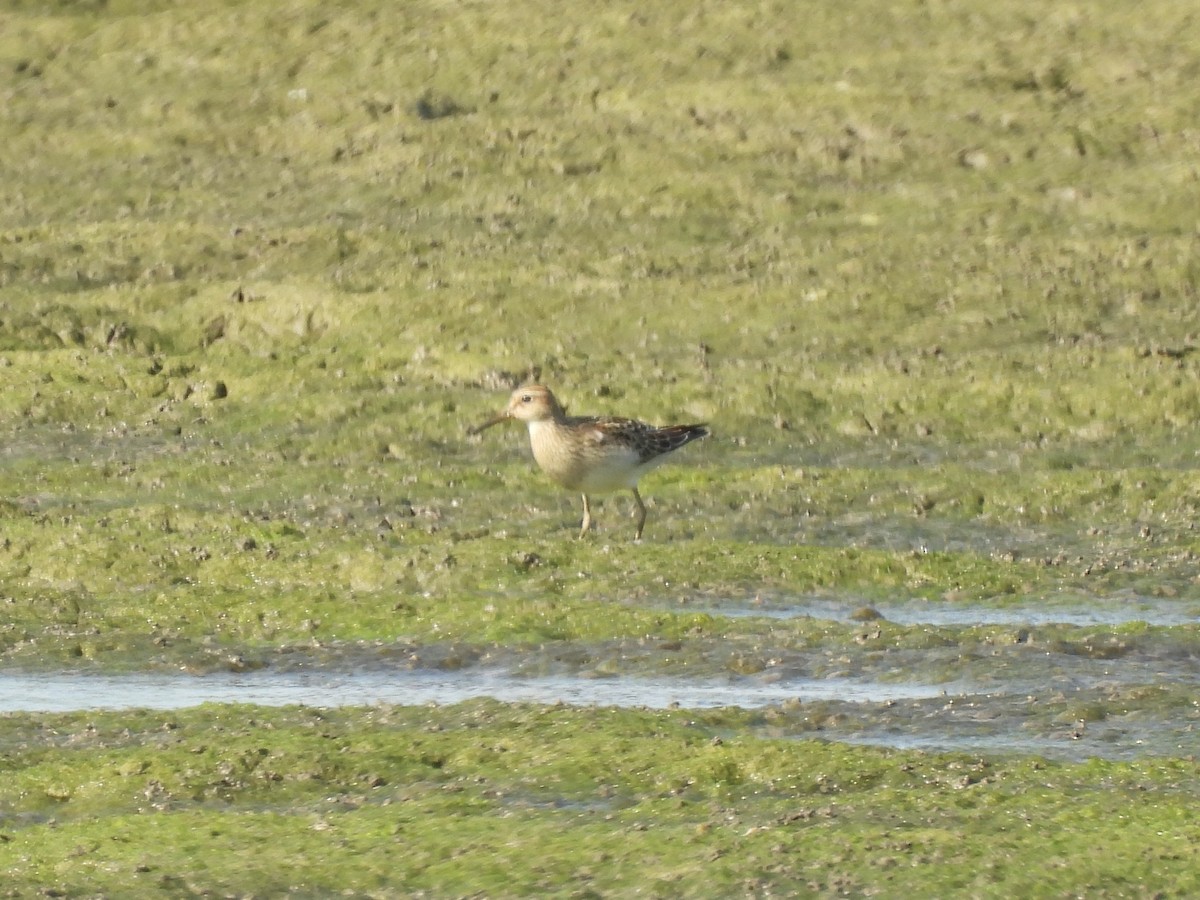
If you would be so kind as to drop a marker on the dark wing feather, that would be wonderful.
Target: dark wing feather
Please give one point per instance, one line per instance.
(671, 437)
(647, 439)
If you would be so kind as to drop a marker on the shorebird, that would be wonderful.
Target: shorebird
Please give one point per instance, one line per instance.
(592, 454)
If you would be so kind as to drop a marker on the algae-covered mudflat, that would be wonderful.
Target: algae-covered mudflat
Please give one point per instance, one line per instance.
(922, 616)
(485, 799)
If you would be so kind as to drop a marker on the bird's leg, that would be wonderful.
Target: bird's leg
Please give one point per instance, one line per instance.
(587, 517)
(641, 514)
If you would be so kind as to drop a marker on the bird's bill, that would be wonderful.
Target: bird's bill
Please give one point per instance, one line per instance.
(494, 420)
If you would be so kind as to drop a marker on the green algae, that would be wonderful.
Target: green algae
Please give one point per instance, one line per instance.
(461, 800)
(930, 273)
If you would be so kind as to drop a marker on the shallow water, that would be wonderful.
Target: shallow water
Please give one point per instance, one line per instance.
(916, 612)
(1018, 718)
(70, 692)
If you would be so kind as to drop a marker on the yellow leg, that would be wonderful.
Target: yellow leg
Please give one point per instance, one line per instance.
(641, 514)
(587, 517)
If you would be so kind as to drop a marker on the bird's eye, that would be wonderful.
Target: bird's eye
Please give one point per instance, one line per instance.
(527, 398)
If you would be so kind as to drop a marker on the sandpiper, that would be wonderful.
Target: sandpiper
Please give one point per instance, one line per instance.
(592, 454)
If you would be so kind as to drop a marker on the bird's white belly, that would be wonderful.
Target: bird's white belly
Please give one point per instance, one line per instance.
(612, 472)
(583, 466)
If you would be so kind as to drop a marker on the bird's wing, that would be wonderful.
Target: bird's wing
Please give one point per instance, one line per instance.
(610, 429)
(647, 440)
